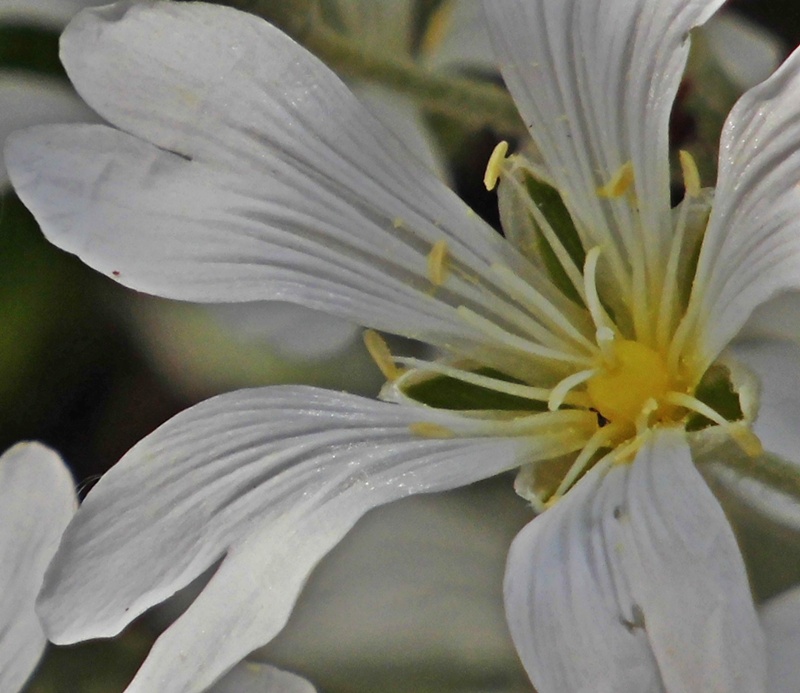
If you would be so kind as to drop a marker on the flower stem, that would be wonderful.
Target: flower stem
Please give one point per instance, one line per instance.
(475, 103)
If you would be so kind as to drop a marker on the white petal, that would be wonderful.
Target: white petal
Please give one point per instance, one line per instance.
(634, 583)
(780, 618)
(259, 175)
(746, 52)
(26, 100)
(270, 480)
(255, 677)
(595, 81)
(37, 499)
(751, 250)
(776, 364)
(401, 115)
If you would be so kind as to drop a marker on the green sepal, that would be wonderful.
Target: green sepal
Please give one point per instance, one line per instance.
(549, 201)
(716, 390)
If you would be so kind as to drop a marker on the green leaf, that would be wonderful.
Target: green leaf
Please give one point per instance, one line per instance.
(444, 392)
(549, 201)
(30, 48)
(716, 390)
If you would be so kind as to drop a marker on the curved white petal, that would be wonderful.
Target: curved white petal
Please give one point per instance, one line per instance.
(777, 367)
(26, 100)
(634, 583)
(595, 81)
(401, 115)
(746, 52)
(252, 172)
(751, 249)
(37, 500)
(255, 677)
(780, 619)
(270, 479)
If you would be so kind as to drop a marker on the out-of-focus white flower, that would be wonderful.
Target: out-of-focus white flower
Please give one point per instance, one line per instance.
(587, 346)
(413, 591)
(37, 500)
(746, 52)
(26, 99)
(780, 618)
(53, 14)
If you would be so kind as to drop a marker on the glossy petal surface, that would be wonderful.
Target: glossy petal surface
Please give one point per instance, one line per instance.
(751, 250)
(269, 479)
(634, 583)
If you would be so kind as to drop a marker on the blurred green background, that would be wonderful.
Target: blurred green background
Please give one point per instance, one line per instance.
(83, 365)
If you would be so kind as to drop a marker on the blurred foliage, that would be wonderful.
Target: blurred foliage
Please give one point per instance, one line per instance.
(73, 374)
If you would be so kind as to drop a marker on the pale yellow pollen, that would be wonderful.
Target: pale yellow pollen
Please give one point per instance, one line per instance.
(438, 263)
(427, 429)
(619, 184)
(495, 166)
(621, 390)
(379, 351)
(691, 175)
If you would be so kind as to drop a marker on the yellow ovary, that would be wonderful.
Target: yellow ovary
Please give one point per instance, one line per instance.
(633, 376)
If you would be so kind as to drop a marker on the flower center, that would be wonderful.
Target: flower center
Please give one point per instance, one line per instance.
(632, 376)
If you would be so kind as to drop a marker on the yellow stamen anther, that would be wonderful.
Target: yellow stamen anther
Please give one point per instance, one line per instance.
(495, 166)
(619, 184)
(379, 351)
(691, 175)
(426, 429)
(438, 263)
(746, 439)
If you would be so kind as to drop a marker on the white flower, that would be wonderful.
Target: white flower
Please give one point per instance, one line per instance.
(37, 500)
(243, 170)
(780, 618)
(27, 99)
(746, 52)
(43, 12)
(271, 342)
